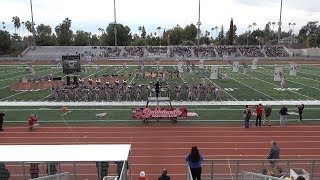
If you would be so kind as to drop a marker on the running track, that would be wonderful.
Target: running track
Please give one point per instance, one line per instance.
(157, 146)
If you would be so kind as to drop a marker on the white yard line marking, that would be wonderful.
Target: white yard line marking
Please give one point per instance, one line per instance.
(222, 89)
(13, 95)
(5, 87)
(253, 88)
(24, 75)
(279, 86)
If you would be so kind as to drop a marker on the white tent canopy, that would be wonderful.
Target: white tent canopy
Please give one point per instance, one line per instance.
(64, 153)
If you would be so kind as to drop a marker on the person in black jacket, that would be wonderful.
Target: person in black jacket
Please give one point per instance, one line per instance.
(274, 154)
(4, 173)
(164, 175)
(1, 120)
(283, 116)
(300, 110)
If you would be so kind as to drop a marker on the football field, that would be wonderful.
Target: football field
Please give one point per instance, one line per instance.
(251, 88)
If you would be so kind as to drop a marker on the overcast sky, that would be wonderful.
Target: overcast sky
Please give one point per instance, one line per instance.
(92, 14)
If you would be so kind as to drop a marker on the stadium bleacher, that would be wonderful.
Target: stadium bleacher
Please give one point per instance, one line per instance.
(131, 52)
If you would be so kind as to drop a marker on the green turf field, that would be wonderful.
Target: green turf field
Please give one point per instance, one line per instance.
(256, 85)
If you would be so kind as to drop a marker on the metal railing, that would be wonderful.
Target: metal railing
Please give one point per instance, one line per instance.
(231, 168)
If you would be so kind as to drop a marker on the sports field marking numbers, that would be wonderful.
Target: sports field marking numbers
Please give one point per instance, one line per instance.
(287, 89)
(230, 89)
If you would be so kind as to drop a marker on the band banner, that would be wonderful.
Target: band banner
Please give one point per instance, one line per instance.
(293, 69)
(214, 72)
(278, 73)
(201, 64)
(180, 66)
(254, 63)
(159, 112)
(235, 66)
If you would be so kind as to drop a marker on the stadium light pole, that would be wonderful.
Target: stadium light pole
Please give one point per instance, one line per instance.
(32, 23)
(280, 23)
(199, 23)
(115, 23)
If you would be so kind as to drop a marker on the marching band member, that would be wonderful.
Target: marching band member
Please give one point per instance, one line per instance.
(282, 83)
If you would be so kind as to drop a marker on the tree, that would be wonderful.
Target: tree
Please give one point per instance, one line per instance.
(94, 41)
(231, 33)
(254, 25)
(44, 36)
(16, 23)
(123, 35)
(190, 33)
(143, 32)
(64, 34)
(310, 34)
(82, 38)
(28, 25)
(177, 35)
(221, 37)
(159, 28)
(5, 41)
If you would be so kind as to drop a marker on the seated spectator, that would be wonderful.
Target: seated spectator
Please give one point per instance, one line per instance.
(164, 175)
(143, 176)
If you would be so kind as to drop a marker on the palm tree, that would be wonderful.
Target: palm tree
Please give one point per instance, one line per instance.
(289, 26)
(159, 28)
(28, 25)
(273, 23)
(254, 25)
(100, 30)
(3, 26)
(22, 29)
(140, 30)
(216, 28)
(212, 33)
(293, 27)
(250, 26)
(16, 22)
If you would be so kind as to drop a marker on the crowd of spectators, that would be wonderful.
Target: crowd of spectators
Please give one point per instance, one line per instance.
(227, 50)
(133, 51)
(184, 51)
(275, 51)
(251, 51)
(158, 49)
(204, 52)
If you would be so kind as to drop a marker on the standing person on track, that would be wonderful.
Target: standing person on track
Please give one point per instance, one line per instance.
(32, 122)
(300, 110)
(259, 111)
(267, 113)
(283, 116)
(274, 154)
(1, 120)
(194, 159)
(247, 115)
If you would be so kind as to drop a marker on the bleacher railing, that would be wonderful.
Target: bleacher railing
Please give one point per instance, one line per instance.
(60, 176)
(189, 175)
(255, 176)
(76, 170)
(231, 168)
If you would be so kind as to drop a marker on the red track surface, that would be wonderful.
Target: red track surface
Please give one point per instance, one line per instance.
(155, 147)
